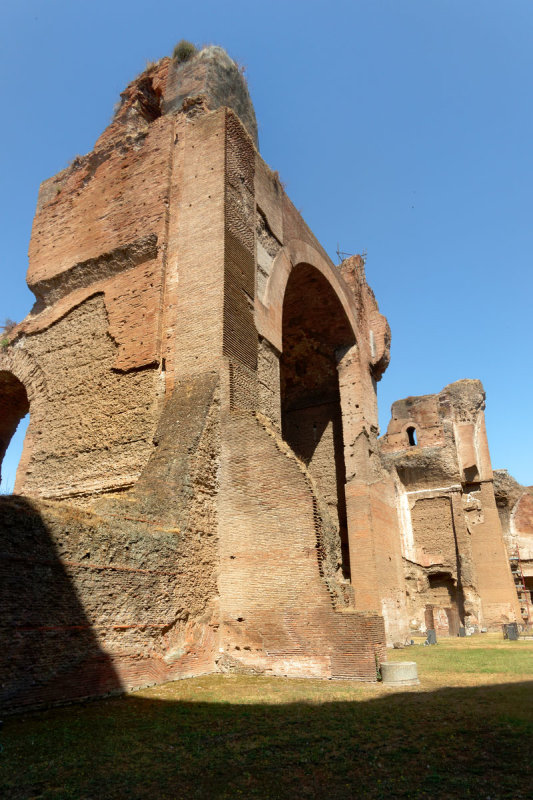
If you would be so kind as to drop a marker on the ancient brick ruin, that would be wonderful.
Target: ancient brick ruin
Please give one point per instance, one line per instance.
(202, 485)
(456, 565)
(515, 507)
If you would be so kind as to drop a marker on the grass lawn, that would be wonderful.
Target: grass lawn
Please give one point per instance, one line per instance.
(465, 732)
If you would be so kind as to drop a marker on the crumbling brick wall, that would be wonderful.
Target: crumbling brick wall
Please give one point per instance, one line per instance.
(451, 536)
(158, 374)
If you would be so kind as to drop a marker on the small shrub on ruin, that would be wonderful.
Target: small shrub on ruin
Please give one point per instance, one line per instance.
(75, 163)
(5, 328)
(183, 51)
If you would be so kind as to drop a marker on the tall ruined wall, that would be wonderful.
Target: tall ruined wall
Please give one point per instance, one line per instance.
(456, 566)
(284, 605)
(121, 227)
(97, 258)
(202, 390)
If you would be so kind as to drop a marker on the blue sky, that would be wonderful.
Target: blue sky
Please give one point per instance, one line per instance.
(399, 127)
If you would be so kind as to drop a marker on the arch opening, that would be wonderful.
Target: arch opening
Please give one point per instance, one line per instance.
(13, 420)
(411, 435)
(445, 612)
(315, 329)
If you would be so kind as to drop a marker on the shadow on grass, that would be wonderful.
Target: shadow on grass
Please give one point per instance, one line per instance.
(225, 738)
(451, 743)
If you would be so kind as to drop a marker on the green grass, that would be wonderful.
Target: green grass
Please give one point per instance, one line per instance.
(487, 654)
(465, 732)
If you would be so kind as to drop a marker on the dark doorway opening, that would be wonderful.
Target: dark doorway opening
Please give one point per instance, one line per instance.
(446, 604)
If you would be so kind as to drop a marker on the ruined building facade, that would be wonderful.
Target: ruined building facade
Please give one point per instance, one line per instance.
(202, 486)
(456, 564)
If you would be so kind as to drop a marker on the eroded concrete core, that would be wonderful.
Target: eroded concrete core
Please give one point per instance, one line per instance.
(202, 486)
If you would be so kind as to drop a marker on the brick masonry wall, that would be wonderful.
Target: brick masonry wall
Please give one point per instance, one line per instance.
(192, 321)
(495, 582)
(315, 434)
(449, 518)
(104, 201)
(277, 614)
(388, 560)
(434, 533)
(147, 379)
(515, 508)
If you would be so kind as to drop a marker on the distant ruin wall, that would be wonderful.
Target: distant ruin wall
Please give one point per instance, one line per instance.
(456, 566)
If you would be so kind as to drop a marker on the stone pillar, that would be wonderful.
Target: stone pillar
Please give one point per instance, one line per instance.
(356, 434)
(495, 586)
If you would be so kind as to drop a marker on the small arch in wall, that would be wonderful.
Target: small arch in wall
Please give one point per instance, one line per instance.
(411, 436)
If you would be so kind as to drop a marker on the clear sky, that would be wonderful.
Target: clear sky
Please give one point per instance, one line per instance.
(403, 128)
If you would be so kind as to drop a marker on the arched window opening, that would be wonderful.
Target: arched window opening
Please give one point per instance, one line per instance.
(314, 327)
(14, 421)
(411, 433)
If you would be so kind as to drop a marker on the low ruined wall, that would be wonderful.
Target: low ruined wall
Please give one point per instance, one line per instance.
(87, 608)
(122, 594)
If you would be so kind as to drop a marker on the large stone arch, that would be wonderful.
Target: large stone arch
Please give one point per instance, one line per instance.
(316, 334)
(268, 315)
(25, 372)
(24, 367)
